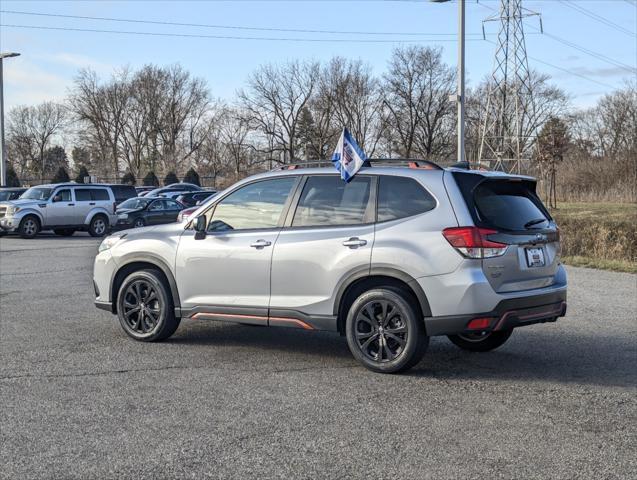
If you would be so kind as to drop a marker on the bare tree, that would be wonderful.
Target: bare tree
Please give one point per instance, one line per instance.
(30, 132)
(354, 95)
(417, 86)
(274, 100)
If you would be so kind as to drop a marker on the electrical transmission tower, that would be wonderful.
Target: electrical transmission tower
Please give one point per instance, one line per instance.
(505, 139)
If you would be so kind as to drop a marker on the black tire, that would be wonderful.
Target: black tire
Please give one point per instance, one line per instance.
(139, 223)
(98, 226)
(481, 342)
(146, 290)
(29, 226)
(64, 232)
(374, 332)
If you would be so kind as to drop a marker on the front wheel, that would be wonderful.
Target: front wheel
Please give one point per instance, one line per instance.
(139, 223)
(98, 226)
(385, 330)
(481, 341)
(145, 307)
(29, 227)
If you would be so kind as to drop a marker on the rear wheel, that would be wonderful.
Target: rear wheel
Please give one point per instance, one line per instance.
(481, 341)
(29, 226)
(385, 331)
(98, 226)
(145, 307)
(64, 232)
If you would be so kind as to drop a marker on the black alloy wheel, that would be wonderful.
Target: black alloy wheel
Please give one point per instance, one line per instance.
(385, 330)
(145, 308)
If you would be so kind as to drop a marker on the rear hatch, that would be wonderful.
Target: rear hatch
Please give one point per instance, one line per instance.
(510, 209)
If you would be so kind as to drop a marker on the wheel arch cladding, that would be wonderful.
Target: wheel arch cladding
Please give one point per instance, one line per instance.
(32, 213)
(357, 284)
(136, 264)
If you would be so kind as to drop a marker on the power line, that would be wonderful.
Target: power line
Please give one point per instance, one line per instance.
(233, 27)
(230, 37)
(596, 17)
(591, 53)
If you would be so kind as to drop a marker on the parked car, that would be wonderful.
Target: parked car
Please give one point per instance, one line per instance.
(64, 208)
(143, 190)
(142, 211)
(186, 212)
(191, 199)
(174, 188)
(11, 193)
(393, 257)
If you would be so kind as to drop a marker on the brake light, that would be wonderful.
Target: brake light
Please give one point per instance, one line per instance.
(473, 242)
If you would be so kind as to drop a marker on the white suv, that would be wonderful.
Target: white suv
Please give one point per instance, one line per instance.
(389, 259)
(63, 208)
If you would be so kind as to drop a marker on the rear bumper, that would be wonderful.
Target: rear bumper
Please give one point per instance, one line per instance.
(509, 313)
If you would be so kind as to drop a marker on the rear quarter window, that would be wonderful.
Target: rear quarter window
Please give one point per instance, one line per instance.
(401, 197)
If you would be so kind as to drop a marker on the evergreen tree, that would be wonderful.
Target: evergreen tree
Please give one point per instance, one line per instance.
(171, 178)
(151, 180)
(81, 173)
(12, 177)
(192, 177)
(61, 176)
(129, 179)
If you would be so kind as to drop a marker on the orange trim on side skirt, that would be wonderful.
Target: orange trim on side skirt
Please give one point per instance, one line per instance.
(294, 321)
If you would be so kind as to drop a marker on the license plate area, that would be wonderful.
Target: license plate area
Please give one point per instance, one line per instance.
(534, 257)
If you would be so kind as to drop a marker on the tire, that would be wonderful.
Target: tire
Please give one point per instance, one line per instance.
(481, 342)
(98, 226)
(139, 223)
(386, 316)
(157, 320)
(64, 232)
(29, 226)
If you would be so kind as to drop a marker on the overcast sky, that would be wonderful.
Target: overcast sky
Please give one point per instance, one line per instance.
(591, 41)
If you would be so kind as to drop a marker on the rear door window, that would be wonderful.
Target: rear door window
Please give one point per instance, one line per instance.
(401, 197)
(509, 206)
(99, 194)
(329, 201)
(82, 195)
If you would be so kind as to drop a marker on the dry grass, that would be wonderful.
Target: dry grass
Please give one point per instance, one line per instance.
(603, 235)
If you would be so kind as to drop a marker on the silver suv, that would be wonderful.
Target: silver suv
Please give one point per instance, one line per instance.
(63, 208)
(389, 259)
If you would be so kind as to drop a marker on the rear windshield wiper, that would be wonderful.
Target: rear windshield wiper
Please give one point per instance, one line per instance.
(534, 222)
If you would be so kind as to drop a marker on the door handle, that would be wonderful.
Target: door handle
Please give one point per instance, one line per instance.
(260, 244)
(70, 205)
(354, 242)
(92, 203)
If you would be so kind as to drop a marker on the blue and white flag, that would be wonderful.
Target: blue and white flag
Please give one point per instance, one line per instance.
(348, 158)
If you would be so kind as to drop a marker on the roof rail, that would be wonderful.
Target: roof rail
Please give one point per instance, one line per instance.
(407, 162)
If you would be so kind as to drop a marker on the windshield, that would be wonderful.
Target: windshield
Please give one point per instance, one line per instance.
(37, 193)
(133, 203)
(5, 196)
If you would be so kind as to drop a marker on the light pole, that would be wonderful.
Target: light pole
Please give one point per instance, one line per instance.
(3, 150)
(459, 98)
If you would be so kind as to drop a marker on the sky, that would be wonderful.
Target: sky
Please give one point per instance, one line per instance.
(588, 47)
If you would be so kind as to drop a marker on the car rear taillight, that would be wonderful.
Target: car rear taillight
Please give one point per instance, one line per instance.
(472, 242)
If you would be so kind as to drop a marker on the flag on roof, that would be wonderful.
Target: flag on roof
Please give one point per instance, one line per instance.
(348, 158)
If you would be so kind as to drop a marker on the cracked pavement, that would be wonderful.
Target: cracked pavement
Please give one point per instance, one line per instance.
(81, 400)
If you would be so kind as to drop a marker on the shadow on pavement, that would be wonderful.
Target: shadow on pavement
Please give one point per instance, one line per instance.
(530, 355)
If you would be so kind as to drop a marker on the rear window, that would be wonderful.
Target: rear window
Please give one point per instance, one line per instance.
(501, 203)
(400, 197)
(123, 192)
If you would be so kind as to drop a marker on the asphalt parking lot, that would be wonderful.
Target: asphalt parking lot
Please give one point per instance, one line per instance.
(81, 400)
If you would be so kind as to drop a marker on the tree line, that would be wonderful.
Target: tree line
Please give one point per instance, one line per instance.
(156, 120)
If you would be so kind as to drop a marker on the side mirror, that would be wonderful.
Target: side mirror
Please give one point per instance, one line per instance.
(200, 227)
